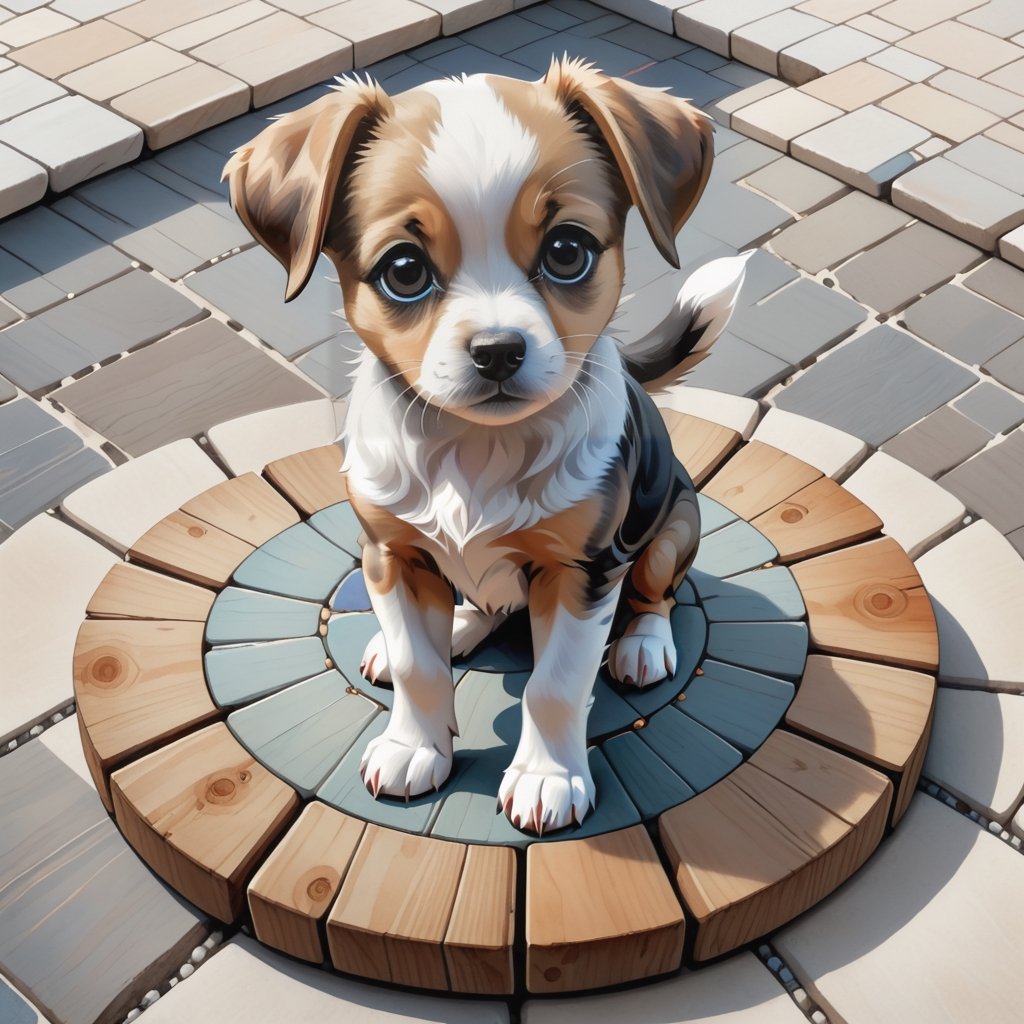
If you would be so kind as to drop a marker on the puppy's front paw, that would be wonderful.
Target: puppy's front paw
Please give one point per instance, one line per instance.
(645, 653)
(544, 801)
(391, 766)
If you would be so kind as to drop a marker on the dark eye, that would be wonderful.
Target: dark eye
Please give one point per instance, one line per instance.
(403, 274)
(568, 255)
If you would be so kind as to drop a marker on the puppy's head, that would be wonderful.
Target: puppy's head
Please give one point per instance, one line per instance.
(476, 224)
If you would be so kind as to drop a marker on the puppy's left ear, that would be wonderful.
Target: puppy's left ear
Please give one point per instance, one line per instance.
(284, 182)
(662, 146)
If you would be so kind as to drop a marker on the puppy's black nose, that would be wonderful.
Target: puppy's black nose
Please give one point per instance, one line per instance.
(497, 354)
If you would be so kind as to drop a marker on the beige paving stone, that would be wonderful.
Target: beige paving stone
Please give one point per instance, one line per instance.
(186, 37)
(31, 27)
(22, 181)
(981, 94)
(151, 18)
(795, 185)
(50, 572)
(278, 56)
(827, 52)
(709, 23)
(86, 10)
(1009, 77)
(837, 11)
(68, 51)
(1000, 17)
(992, 160)
(778, 119)
(977, 750)
(458, 15)
(723, 109)
(21, 90)
(961, 47)
(929, 148)
(854, 86)
(378, 31)
(125, 71)
(732, 411)
(140, 493)
(906, 65)
(976, 582)
(939, 112)
(1017, 826)
(181, 104)
(759, 43)
(878, 28)
(915, 15)
(1011, 247)
(303, 7)
(927, 931)
(1007, 135)
(832, 451)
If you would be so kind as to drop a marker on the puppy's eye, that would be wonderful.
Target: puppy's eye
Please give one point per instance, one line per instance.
(403, 274)
(568, 254)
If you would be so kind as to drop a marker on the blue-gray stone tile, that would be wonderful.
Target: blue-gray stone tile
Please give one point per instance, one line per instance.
(763, 275)
(237, 675)
(992, 483)
(991, 407)
(684, 81)
(347, 637)
(436, 46)
(648, 41)
(735, 548)
(582, 10)
(777, 648)
(737, 216)
(7, 390)
(14, 1009)
(338, 523)
(713, 515)
(698, 57)
(696, 754)
(610, 57)
(942, 440)
(877, 387)
(599, 26)
(194, 161)
(22, 421)
(764, 595)
(249, 287)
(471, 60)
(381, 69)
(549, 16)
(650, 783)
(507, 649)
(742, 159)
(242, 616)
(1000, 282)
(351, 595)
(1008, 366)
(198, 192)
(505, 33)
(330, 363)
(738, 368)
(22, 286)
(224, 138)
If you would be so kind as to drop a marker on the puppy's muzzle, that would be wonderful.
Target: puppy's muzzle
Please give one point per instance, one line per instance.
(497, 355)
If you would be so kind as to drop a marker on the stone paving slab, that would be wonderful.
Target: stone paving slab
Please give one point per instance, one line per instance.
(1008, 366)
(999, 282)
(800, 188)
(992, 483)
(940, 441)
(991, 407)
(854, 86)
(832, 451)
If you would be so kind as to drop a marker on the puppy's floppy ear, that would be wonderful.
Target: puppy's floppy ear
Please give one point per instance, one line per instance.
(283, 183)
(661, 144)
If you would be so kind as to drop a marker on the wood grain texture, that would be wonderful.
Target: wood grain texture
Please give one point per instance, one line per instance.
(699, 444)
(202, 812)
(868, 601)
(817, 518)
(908, 784)
(311, 480)
(297, 883)
(393, 910)
(599, 911)
(877, 712)
(758, 477)
(131, 592)
(186, 546)
(138, 682)
(771, 840)
(246, 506)
(478, 943)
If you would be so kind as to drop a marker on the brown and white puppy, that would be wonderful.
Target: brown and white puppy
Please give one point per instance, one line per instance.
(497, 440)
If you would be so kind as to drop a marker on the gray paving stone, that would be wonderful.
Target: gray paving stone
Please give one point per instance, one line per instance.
(505, 33)
(992, 160)
(902, 267)
(644, 39)
(115, 317)
(867, 148)
(764, 274)
(7, 390)
(599, 26)
(743, 159)
(826, 52)
(992, 483)
(22, 286)
(1008, 366)
(1000, 282)
(249, 287)
(74, 139)
(684, 81)
(837, 231)
(1016, 538)
(471, 60)
(22, 421)
(549, 16)
(21, 90)
(959, 201)
(180, 387)
(199, 192)
(740, 75)
(942, 440)
(992, 408)
(610, 57)
(798, 323)
(14, 1009)
(963, 324)
(800, 188)
(737, 216)
(331, 364)
(698, 57)
(739, 368)
(877, 387)
(22, 181)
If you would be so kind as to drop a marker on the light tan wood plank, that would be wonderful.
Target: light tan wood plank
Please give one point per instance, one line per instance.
(700, 445)
(132, 592)
(758, 477)
(297, 883)
(908, 784)
(478, 944)
(394, 906)
(868, 601)
(311, 480)
(599, 911)
(817, 518)
(877, 712)
(202, 812)
(247, 507)
(95, 766)
(138, 682)
(186, 546)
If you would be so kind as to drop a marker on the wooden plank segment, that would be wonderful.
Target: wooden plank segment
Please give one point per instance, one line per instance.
(758, 477)
(699, 444)
(246, 506)
(311, 480)
(131, 592)
(868, 601)
(818, 518)
(599, 911)
(478, 943)
(297, 883)
(394, 906)
(908, 784)
(186, 546)
(202, 812)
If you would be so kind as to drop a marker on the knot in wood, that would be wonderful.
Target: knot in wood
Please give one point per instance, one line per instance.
(106, 671)
(793, 514)
(196, 531)
(880, 601)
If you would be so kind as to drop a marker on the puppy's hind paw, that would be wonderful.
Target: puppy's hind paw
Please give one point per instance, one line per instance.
(543, 802)
(374, 666)
(394, 768)
(645, 653)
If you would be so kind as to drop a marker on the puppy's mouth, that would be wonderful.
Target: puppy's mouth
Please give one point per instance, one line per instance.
(498, 400)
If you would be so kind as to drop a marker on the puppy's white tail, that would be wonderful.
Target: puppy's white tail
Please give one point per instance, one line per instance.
(698, 316)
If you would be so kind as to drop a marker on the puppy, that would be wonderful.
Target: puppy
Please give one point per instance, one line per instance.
(497, 441)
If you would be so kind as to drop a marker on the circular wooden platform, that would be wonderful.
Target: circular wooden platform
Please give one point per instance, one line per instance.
(223, 718)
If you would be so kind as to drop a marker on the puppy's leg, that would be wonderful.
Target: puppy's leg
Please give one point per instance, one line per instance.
(645, 653)
(414, 605)
(548, 784)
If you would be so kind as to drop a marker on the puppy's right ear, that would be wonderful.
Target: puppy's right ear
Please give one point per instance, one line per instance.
(284, 182)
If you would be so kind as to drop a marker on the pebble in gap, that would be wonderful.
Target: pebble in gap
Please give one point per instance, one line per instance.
(198, 954)
(786, 975)
(172, 983)
(36, 730)
(774, 964)
(187, 970)
(149, 998)
(802, 999)
(133, 1015)
(819, 1018)
(995, 827)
